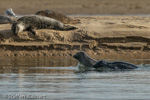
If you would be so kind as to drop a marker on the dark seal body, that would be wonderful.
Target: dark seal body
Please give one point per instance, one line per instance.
(89, 62)
(32, 22)
(58, 16)
(114, 65)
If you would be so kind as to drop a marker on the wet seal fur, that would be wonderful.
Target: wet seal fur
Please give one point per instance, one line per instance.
(58, 16)
(85, 59)
(89, 62)
(6, 20)
(32, 22)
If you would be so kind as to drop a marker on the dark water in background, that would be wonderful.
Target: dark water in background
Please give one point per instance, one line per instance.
(59, 79)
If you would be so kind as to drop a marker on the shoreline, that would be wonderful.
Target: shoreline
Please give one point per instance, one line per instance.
(106, 15)
(99, 36)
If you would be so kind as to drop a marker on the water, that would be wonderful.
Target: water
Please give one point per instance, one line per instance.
(60, 79)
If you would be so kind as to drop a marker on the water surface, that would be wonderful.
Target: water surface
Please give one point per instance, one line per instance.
(60, 79)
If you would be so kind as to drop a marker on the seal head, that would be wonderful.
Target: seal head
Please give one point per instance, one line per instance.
(83, 58)
(17, 27)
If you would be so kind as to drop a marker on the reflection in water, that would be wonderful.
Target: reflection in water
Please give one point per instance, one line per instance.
(53, 79)
(37, 61)
(20, 65)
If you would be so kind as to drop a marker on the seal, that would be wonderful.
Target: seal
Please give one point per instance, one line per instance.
(89, 62)
(6, 20)
(32, 22)
(9, 12)
(58, 16)
(114, 65)
(83, 58)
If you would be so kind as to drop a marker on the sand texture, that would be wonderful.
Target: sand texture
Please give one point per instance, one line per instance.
(103, 36)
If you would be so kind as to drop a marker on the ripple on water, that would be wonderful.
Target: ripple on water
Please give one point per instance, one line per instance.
(70, 84)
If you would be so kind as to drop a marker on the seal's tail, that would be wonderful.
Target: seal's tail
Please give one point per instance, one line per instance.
(69, 27)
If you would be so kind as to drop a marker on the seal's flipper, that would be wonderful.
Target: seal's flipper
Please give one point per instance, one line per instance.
(32, 30)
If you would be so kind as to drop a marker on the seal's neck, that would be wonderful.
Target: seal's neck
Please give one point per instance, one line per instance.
(91, 61)
(21, 27)
(87, 61)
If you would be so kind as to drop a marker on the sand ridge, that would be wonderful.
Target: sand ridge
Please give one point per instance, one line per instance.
(103, 36)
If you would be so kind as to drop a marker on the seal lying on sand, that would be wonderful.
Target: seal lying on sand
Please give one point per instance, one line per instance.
(58, 16)
(32, 22)
(9, 12)
(6, 20)
(89, 62)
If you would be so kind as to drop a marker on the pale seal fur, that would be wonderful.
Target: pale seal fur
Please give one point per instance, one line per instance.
(58, 16)
(32, 22)
(9, 12)
(6, 20)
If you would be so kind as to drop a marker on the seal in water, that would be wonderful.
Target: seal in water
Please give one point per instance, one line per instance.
(58, 16)
(83, 58)
(6, 20)
(114, 65)
(32, 22)
(89, 62)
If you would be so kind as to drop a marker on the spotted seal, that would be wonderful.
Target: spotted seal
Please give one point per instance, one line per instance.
(89, 62)
(6, 20)
(32, 22)
(58, 16)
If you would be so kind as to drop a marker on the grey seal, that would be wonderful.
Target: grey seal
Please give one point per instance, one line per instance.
(32, 22)
(9, 12)
(58, 16)
(85, 59)
(6, 20)
(89, 62)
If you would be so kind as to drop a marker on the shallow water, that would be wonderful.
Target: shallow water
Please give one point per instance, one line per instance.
(59, 78)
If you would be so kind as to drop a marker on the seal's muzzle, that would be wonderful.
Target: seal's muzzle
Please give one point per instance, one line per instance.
(75, 56)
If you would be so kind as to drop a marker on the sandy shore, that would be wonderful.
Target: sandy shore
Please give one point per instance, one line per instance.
(100, 36)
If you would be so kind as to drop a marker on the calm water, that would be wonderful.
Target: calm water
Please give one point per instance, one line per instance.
(60, 79)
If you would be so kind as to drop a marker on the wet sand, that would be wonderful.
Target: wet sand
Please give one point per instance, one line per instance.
(100, 36)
